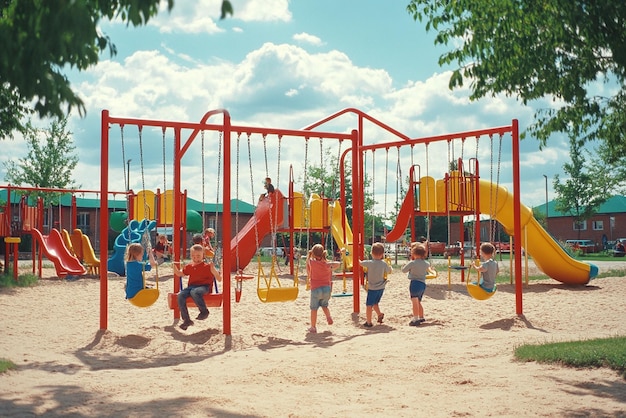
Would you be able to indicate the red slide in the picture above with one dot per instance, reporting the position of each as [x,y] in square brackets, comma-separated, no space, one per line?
[55,250]
[404,217]
[244,245]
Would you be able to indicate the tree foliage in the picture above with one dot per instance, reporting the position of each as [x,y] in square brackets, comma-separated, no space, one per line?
[555,49]
[583,192]
[49,163]
[41,39]
[324,180]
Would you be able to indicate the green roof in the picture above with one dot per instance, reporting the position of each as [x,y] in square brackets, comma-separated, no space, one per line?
[615,204]
[192,204]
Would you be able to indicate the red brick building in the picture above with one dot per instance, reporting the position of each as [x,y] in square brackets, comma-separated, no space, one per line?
[607,225]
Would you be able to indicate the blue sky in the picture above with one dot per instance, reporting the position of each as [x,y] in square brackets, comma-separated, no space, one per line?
[286,65]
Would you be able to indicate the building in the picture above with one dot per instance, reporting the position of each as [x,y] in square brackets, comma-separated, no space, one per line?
[606,226]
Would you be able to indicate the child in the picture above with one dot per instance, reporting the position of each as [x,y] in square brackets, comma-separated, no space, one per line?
[377,270]
[320,277]
[135,266]
[209,233]
[417,269]
[201,276]
[269,187]
[161,249]
[489,268]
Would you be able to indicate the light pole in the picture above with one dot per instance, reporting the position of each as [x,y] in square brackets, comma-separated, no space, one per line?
[546,178]
[128,174]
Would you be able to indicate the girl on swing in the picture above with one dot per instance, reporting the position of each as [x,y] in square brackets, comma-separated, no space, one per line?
[135,267]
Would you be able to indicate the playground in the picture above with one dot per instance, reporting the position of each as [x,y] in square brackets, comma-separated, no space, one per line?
[460,363]
[83,347]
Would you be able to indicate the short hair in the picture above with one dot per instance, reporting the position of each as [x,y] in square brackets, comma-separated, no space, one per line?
[196,238]
[378,248]
[210,230]
[197,248]
[419,250]
[487,248]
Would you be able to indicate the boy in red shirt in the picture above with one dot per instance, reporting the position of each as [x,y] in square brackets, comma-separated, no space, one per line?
[201,279]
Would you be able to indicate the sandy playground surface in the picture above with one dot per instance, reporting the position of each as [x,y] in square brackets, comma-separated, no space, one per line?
[459,363]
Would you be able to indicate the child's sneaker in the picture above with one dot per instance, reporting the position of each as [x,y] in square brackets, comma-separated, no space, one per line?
[415,323]
[186,324]
[368,325]
[202,315]
[312,330]
[380,318]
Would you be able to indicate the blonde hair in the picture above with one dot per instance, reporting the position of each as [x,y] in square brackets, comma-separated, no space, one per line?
[133,251]
[197,248]
[318,251]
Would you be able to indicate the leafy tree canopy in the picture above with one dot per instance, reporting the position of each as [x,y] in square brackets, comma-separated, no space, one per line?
[540,49]
[50,161]
[41,38]
[585,190]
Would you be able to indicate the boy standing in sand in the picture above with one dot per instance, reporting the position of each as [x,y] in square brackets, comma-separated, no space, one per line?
[201,277]
[320,273]
[377,271]
[489,268]
[417,270]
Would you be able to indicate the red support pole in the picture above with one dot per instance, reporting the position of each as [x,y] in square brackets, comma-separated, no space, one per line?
[517,219]
[104,221]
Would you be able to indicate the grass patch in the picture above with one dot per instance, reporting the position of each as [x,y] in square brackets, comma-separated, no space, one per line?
[23,280]
[601,352]
[6,365]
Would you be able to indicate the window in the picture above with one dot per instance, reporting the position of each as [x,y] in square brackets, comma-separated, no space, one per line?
[597,225]
[580,226]
[82,222]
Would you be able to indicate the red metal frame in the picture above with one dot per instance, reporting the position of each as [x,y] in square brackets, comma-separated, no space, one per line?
[357,149]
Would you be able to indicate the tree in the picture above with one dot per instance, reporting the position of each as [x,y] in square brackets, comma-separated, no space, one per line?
[42,38]
[49,162]
[325,181]
[581,194]
[551,49]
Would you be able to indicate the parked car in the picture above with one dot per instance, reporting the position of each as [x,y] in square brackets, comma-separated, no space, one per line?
[619,249]
[502,247]
[585,245]
[455,249]
[267,251]
[437,248]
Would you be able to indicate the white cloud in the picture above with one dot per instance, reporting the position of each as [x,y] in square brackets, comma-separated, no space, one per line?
[307,39]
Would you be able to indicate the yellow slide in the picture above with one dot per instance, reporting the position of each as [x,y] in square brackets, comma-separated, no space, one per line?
[337,222]
[547,254]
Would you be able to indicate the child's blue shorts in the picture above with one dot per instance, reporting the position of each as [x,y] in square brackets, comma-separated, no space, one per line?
[374,297]
[417,289]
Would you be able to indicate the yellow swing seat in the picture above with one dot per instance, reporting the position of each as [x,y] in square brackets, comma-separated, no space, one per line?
[145,298]
[278,294]
[478,292]
[431,276]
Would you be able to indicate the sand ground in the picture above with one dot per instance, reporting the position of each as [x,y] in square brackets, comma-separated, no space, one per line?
[458,363]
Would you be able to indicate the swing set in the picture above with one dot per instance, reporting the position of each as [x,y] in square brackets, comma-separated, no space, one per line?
[273,211]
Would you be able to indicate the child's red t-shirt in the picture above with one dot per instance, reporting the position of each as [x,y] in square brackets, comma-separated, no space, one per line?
[199,275]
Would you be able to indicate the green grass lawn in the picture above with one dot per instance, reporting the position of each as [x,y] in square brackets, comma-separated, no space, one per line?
[601,352]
